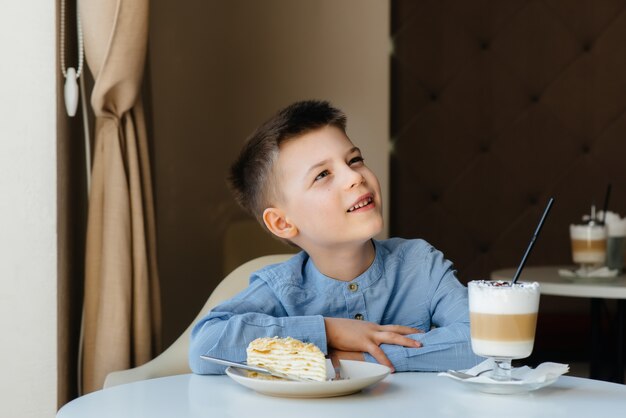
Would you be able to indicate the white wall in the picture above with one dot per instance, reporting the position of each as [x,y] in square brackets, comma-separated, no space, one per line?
[28,255]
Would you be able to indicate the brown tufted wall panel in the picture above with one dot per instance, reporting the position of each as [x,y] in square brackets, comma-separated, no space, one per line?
[497,105]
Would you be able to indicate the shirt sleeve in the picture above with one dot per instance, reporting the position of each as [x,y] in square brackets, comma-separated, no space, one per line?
[226,331]
[447,344]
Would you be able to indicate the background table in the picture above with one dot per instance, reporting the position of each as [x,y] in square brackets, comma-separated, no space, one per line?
[553,284]
[400,394]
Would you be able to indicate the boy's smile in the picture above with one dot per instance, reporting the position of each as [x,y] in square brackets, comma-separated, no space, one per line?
[363,203]
[327,192]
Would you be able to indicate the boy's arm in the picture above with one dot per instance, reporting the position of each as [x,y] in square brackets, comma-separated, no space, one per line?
[447,345]
[227,330]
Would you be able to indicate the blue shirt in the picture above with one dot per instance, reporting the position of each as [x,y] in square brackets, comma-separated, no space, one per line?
[409,283]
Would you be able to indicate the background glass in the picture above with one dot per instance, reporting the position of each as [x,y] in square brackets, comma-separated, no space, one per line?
[588,245]
[615,248]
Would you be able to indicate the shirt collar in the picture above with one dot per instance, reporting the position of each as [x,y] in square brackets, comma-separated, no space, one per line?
[364,280]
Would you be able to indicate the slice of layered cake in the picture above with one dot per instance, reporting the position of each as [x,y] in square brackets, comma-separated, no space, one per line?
[288,355]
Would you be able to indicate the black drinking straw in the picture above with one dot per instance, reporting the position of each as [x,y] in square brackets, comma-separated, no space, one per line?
[606,204]
[532,240]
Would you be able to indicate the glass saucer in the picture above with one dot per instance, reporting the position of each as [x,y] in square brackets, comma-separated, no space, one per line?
[503,388]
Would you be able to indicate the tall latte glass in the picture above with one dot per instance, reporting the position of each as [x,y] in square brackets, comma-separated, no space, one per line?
[503,318]
[588,245]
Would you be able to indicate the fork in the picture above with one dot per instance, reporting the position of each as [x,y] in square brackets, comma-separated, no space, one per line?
[337,368]
[257,369]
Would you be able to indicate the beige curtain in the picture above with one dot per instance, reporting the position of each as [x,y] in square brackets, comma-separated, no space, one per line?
[121,322]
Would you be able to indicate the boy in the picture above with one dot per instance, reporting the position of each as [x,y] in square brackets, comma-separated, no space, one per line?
[352,296]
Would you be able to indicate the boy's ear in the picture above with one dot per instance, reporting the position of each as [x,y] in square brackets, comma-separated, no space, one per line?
[276,221]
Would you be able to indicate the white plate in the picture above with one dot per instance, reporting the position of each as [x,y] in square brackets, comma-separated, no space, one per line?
[358,374]
[505,388]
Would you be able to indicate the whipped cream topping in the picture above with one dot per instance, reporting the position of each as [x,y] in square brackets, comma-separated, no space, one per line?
[497,284]
[585,232]
[502,297]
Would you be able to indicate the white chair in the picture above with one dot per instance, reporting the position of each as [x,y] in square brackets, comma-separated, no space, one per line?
[174,360]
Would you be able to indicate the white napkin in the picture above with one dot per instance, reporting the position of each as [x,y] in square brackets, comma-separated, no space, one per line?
[583,272]
[526,375]
[615,226]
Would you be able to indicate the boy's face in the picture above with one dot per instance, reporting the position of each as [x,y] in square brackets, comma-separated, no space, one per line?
[326,190]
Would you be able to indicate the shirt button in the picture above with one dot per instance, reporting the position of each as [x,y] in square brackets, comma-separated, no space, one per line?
[353,287]
[358,316]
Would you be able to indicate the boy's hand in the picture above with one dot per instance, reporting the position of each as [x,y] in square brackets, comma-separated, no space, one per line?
[360,336]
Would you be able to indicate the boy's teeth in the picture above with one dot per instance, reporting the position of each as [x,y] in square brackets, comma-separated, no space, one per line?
[361,204]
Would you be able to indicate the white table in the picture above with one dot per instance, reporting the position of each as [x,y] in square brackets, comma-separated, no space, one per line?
[551,283]
[399,395]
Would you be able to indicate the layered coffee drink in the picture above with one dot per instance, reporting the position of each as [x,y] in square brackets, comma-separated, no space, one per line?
[588,244]
[503,318]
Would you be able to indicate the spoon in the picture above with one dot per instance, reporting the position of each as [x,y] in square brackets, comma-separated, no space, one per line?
[462,375]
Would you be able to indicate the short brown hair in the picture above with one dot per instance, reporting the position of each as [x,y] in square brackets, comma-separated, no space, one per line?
[251,174]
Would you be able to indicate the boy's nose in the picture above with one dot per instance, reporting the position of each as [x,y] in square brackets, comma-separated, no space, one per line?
[354,178]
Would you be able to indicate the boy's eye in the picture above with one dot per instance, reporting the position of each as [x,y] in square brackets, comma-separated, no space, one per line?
[355,160]
[322,175]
